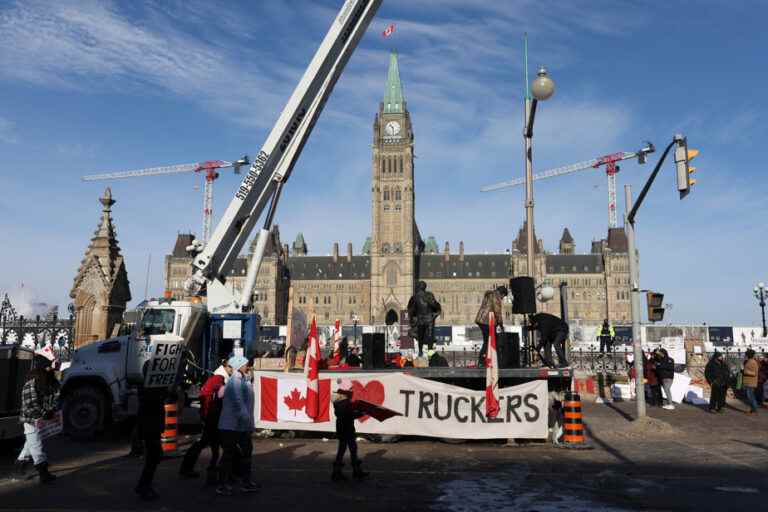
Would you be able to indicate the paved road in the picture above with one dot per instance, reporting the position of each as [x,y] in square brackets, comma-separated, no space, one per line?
[697,461]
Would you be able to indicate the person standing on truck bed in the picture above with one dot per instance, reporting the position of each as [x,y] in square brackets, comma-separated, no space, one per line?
[39,400]
[210,413]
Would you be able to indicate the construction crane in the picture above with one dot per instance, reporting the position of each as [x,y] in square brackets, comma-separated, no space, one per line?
[611,169]
[209,167]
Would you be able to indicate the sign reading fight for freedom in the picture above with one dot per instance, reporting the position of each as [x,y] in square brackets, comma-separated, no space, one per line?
[428,408]
[163,364]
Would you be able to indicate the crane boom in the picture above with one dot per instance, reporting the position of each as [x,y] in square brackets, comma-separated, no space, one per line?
[551,173]
[274,163]
[158,171]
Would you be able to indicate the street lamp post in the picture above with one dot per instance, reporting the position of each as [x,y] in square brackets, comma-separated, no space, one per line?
[542,89]
[354,328]
[761,294]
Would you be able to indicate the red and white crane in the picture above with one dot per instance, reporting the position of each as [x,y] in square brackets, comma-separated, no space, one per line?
[209,167]
[611,168]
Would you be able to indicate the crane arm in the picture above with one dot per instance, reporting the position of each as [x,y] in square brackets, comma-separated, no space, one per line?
[158,171]
[274,163]
[559,171]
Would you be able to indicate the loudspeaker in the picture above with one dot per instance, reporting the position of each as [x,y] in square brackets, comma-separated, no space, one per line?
[523,292]
[373,350]
[508,350]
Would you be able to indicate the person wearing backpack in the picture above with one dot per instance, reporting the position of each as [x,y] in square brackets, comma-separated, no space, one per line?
[210,413]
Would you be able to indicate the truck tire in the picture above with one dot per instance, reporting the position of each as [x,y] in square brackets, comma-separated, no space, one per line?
[84,413]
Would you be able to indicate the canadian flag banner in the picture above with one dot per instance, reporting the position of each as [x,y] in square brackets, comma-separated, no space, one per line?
[312,372]
[491,371]
[285,400]
[388,31]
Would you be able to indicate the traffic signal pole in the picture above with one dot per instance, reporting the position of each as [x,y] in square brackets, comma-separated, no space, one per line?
[634,273]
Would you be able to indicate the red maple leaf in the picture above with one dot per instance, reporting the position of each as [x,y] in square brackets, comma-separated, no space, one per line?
[294,401]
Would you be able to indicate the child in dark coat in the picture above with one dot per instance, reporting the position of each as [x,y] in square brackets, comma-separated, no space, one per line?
[346,414]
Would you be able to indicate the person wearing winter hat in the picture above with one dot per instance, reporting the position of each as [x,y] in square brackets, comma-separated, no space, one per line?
[346,415]
[236,427]
[39,400]
[210,414]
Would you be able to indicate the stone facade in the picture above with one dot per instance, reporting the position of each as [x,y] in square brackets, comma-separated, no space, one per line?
[375,285]
[101,288]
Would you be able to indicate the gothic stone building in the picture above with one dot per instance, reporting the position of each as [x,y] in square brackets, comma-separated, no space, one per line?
[375,285]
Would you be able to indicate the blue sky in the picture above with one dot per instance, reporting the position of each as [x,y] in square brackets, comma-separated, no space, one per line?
[92,86]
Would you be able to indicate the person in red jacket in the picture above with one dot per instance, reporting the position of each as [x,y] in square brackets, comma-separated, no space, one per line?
[210,411]
[649,373]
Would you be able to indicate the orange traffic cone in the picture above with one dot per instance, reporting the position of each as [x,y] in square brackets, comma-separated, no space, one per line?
[573,424]
[169,439]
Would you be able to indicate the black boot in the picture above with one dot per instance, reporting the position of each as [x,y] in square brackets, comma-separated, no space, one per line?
[21,468]
[357,470]
[337,475]
[45,476]
[212,476]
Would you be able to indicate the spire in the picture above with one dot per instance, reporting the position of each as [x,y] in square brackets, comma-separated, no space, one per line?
[566,236]
[393,95]
[299,245]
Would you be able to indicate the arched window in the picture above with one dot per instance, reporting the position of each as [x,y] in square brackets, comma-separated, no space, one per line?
[392,277]
[385,248]
[386,194]
[401,165]
[397,195]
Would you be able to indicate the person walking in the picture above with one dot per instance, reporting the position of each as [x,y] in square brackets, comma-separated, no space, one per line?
[344,410]
[492,303]
[749,380]
[552,331]
[717,374]
[210,414]
[762,379]
[606,335]
[423,309]
[665,370]
[150,426]
[236,426]
[39,401]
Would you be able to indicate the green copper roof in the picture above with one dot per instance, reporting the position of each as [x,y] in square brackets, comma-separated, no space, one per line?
[431,246]
[393,95]
[367,246]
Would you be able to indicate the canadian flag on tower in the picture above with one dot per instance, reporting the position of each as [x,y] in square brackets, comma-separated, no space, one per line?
[388,31]
[491,371]
[312,372]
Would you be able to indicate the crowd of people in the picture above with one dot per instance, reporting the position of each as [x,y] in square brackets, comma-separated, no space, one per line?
[658,373]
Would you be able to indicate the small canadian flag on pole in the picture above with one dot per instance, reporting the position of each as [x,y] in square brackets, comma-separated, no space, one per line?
[388,31]
[491,371]
[312,372]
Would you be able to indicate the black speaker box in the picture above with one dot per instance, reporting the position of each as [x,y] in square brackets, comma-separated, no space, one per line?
[373,350]
[508,350]
[523,292]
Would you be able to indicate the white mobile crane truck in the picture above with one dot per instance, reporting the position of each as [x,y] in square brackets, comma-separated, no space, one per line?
[102,381]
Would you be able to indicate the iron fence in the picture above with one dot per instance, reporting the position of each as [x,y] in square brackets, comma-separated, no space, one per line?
[37,333]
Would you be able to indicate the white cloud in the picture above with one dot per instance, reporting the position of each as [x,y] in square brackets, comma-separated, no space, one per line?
[8,131]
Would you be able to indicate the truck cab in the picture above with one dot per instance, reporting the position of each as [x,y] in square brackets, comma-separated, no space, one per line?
[101,384]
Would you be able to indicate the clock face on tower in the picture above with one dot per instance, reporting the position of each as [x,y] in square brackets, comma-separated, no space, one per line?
[392,129]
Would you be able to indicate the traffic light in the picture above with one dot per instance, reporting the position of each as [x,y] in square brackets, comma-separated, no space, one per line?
[655,306]
[683,157]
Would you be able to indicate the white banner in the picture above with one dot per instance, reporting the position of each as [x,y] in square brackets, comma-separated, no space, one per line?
[429,408]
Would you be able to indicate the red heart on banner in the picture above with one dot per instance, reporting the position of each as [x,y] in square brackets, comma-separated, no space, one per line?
[372,391]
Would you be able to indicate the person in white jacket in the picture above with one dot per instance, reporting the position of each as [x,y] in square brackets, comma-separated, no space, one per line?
[236,427]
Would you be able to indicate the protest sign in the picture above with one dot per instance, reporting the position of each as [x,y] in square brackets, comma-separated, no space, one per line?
[428,408]
[163,364]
